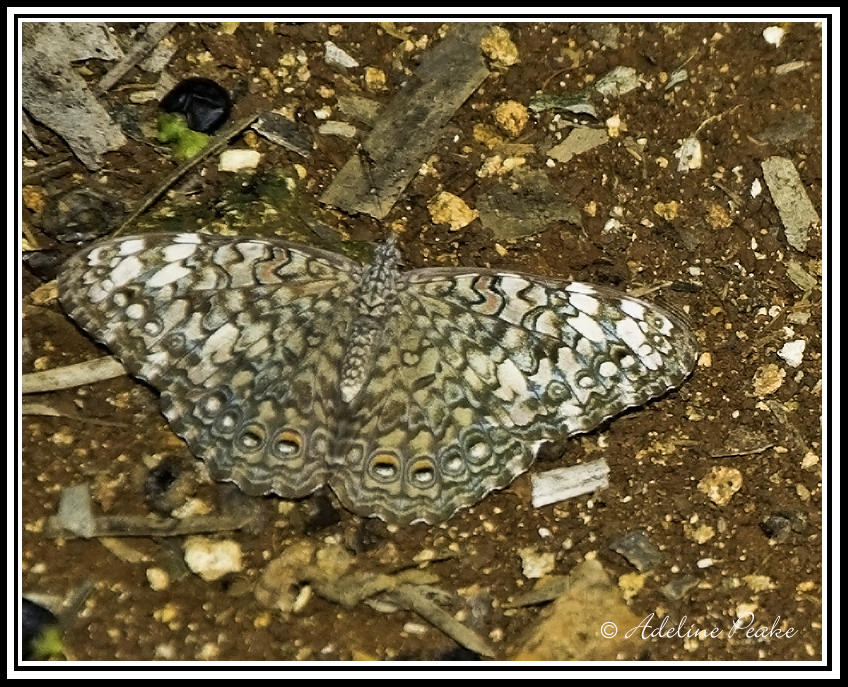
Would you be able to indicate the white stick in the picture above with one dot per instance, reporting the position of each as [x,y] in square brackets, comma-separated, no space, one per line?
[566,483]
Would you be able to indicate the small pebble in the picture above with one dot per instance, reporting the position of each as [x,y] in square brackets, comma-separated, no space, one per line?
[638,549]
[212,558]
[777,526]
[336,57]
[375,79]
[237,159]
[774,35]
[793,352]
[701,534]
[446,208]
[158,579]
[667,211]
[631,584]
[511,117]
[342,129]
[768,379]
[678,586]
[720,484]
[415,628]
[208,652]
[499,48]
[536,564]
[689,154]
[759,583]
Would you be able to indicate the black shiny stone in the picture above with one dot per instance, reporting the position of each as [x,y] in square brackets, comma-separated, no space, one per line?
[205,103]
[35,621]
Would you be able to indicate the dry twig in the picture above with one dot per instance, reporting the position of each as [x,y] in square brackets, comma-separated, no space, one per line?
[156,31]
[69,376]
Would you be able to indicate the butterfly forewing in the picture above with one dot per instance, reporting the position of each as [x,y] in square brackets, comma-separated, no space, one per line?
[573,354]
[241,336]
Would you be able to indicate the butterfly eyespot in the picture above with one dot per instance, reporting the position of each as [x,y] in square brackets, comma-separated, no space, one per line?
[479,452]
[385,467]
[319,445]
[557,392]
[252,437]
[353,454]
[423,473]
[228,421]
[585,381]
[288,443]
[211,405]
[452,463]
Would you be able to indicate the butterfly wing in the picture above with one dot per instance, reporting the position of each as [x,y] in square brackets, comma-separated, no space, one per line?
[241,336]
[482,368]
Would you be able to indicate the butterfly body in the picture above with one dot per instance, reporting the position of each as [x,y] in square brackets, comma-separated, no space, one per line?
[375,305]
[411,393]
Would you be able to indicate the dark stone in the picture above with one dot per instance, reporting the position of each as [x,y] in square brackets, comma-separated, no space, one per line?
[205,104]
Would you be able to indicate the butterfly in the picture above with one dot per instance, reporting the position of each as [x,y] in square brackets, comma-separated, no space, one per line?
[412,394]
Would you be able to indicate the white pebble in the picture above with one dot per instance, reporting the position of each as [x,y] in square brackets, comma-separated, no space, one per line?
[324,113]
[158,579]
[211,558]
[774,35]
[689,154]
[342,129]
[236,159]
[336,57]
[415,628]
[793,352]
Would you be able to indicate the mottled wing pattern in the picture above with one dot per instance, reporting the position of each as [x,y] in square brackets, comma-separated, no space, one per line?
[241,336]
[480,369]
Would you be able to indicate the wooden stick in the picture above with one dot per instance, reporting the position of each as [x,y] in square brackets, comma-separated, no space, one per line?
[408,596]
[72,375]
[156,31]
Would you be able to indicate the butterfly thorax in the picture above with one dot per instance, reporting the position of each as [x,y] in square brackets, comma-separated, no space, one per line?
[374,301]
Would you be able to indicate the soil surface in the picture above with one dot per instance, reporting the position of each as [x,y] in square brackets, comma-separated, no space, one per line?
[708,241]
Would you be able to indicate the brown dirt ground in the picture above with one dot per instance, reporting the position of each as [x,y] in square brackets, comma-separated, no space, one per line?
[724,253]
